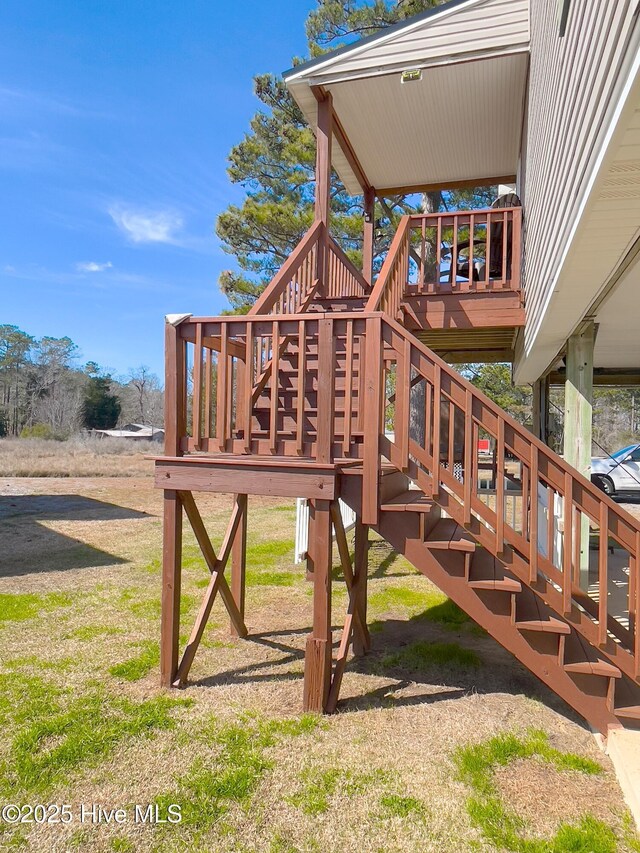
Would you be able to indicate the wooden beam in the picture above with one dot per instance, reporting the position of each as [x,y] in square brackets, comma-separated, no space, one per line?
[171,580]
[463,311]
[217,582]
[368,234]
[323,160]
[619,377]
[317,662]
[343,141]
[205,474]
[447,185]
[239,565]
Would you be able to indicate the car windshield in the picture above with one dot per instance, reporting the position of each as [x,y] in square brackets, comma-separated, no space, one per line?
[625,450]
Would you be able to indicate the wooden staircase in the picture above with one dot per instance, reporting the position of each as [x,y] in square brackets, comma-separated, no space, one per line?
[328,382]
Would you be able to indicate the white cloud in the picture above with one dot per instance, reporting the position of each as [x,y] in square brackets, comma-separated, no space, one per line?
[93,266]
[147,226]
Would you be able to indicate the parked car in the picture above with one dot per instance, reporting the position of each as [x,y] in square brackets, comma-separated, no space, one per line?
[619,472]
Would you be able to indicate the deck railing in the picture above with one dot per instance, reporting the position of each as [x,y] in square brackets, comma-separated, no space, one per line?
[269,386]
[541,515]
[538,514]
[463,252]
[316,267]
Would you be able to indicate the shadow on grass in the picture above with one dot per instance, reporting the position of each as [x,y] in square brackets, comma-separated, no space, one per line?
[33,547]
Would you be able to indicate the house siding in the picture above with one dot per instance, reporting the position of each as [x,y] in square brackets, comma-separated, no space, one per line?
[480,26]
[573,86]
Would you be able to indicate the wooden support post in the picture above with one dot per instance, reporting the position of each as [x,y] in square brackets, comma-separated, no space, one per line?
[324,137]
[239,564]
[368,235]
[361,642]
[540,409]
[171,578]
[317,663]
[578,421]
[175,428]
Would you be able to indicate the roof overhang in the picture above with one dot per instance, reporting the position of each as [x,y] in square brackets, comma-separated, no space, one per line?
[459,121]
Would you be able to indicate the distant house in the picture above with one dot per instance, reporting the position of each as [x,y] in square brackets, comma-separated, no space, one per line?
[134,432]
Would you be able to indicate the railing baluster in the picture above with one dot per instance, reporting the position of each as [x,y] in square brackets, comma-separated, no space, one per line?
[487,255]
[471,249]
[438,250]
[207,392]
[273,414]
[437,415]
[373,394]
[301,381]
[603,574]
[422,278]
[453,272]
[533,523]
[451,437]
[348,389]
[468,454]
[505,226]
[500,487]
[221,415]
[326,390]
[249,381]
[197,389]
[567,550]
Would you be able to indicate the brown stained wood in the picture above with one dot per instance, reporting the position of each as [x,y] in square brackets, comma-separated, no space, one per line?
[257,479]
[275,360]
[372,405]
[324,136]
[349,574]
[217,582]
[221,413]
[239,564]
[197,387]
[208,387]
[500,449]
[451,185]
[317,670]
[533,524]
[175,415]
[348,403]
[368,235]
[567,551]
[603,574]
[326,407]
[469,455]
[171,582]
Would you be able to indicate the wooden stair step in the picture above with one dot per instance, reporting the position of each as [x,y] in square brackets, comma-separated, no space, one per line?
[448,535]
[409,501]
[502,585]
[550,625]
[594,667]
[631,712]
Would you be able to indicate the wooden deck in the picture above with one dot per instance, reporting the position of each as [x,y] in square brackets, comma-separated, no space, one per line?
[296,399]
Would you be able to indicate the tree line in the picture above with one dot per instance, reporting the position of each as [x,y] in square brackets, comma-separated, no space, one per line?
[46,392]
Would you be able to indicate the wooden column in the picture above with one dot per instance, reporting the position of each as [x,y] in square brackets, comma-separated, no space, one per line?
[239,564]
[323,157]
[361,569]
[175,428]
[317,662]
[324,135]
[578,417]
[540,409]
[369,229]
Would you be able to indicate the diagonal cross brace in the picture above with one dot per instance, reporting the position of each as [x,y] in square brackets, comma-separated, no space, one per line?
[355,621]
[217,582]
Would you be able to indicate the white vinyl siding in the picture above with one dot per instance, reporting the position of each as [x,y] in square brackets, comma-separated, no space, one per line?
[573,88]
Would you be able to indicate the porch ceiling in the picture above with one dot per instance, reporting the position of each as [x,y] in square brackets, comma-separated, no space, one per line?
[461,121]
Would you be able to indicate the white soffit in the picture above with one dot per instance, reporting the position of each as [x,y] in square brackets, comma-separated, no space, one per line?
[467,107]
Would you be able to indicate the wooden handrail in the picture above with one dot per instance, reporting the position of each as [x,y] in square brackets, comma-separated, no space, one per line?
[389,287]
[283,278]
[445,463]
[317,266]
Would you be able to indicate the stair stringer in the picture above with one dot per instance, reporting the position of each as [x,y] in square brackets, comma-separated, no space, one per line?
[446,570]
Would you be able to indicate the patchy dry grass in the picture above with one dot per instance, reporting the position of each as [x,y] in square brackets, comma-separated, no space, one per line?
[76,457]
[82,719]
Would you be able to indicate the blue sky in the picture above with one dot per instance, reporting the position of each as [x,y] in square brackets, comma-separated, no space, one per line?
[116,119]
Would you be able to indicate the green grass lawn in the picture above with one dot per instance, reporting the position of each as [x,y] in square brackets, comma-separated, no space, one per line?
[436,728]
